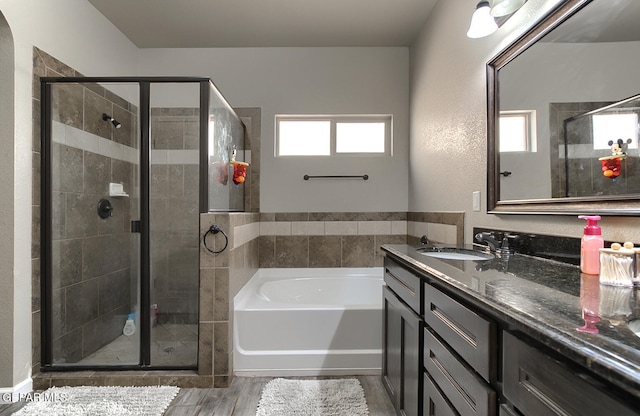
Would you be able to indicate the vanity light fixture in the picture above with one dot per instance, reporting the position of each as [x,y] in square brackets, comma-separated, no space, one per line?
[482,23]
[505,7]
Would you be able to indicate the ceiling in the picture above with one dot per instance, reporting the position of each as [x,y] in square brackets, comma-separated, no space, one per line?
[266,23]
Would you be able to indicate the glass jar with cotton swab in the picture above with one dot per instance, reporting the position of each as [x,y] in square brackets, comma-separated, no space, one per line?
[618,265]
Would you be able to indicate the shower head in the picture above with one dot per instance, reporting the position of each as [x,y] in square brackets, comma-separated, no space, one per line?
[113,121]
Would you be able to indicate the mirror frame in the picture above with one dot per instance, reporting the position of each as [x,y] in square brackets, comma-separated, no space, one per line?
[604,205]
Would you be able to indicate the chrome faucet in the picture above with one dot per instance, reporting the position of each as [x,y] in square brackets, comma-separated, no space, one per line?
[488,238]
[425,241]
[499,247]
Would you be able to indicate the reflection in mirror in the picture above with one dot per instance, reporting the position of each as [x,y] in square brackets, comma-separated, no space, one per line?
[600,152]
[557,96]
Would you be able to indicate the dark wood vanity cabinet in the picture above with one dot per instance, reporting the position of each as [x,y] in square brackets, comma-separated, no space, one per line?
[474,359]
[402,332]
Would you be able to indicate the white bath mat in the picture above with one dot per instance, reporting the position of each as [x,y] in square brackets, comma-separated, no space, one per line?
[100,401]
[336,397]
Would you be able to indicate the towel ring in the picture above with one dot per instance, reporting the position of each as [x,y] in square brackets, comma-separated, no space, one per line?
[214,229]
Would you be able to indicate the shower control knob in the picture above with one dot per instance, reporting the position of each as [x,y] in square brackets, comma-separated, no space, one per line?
[105,209]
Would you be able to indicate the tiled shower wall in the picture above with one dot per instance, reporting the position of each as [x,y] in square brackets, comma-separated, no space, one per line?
[174,212]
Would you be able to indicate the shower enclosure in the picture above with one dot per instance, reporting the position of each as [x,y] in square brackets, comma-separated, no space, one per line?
[128,165]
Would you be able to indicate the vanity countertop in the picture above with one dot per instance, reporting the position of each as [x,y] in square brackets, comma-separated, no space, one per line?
[545,299]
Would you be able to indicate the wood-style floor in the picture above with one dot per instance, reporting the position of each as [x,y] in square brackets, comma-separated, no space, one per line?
[242,397]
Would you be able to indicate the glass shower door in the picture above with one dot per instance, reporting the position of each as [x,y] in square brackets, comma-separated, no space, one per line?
[174,223]
[94,154]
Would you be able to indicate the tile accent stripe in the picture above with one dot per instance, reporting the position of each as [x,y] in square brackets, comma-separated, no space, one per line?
[79,139]
[303,228]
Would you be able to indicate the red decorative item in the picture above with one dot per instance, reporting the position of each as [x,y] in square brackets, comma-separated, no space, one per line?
[239,172]
[612,165]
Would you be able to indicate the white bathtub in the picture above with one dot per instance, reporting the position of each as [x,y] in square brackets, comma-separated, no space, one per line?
[309,322]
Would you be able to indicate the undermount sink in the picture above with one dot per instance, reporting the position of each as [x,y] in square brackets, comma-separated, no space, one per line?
[455,253]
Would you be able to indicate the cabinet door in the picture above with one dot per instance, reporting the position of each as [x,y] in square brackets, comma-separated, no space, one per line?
[434,403]
[392,347]
[401,355]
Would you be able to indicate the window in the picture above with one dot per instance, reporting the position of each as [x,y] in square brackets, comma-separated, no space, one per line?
[333,135]
[304,138]
[517,131]
[608,127]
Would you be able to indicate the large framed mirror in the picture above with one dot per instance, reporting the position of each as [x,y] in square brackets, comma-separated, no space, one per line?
[564,113]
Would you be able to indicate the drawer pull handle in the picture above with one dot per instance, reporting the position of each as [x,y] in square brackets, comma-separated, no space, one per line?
[452,381]
[469,338]
[527,383]
[403,284]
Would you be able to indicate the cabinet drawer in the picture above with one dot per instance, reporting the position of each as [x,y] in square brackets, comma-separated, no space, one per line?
[467,333]
[433,403]
[465,390]
[405,284]
[537,384]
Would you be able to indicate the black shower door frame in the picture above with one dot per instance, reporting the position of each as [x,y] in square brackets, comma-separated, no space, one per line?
[143,226]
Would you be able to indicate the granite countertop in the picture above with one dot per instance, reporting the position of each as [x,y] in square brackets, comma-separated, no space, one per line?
[547,300]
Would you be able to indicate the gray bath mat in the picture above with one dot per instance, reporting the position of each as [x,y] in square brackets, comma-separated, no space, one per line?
[100,401]
[336,397]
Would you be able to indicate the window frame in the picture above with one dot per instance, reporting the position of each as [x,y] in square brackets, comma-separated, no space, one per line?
[335,119]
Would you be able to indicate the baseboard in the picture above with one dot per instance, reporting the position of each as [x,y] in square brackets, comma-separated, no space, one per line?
[16,393]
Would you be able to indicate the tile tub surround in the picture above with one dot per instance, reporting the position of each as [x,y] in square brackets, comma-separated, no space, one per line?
[328,239]
[311,239]
[348,239]
[439,227]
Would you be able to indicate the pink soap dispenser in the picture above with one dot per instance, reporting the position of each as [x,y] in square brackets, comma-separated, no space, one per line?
[590,245]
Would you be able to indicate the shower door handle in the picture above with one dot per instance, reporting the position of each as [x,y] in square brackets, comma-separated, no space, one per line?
[135,226]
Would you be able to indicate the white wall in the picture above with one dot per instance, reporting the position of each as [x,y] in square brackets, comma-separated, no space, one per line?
[310,81]
[74,32]
[448,123]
